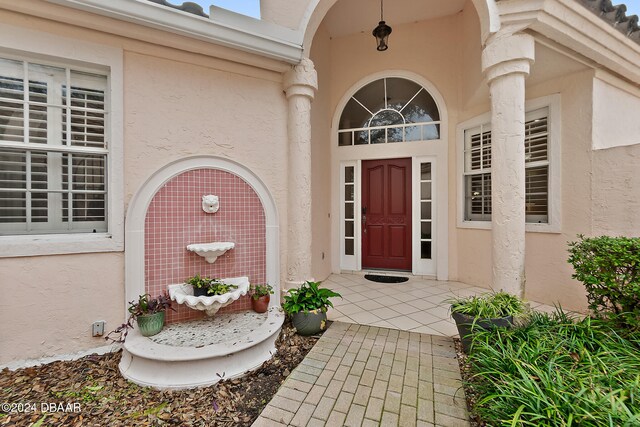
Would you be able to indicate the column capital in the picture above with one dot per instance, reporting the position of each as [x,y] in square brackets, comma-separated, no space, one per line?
[508,53]
[301,79]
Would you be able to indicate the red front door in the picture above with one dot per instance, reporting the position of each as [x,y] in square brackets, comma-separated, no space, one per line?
[386,214]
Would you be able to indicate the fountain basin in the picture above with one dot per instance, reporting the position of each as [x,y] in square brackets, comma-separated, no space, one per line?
[183,294]
[210,251]
[202,352]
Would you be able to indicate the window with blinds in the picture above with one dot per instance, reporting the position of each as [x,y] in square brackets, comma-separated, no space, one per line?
[477,169]
[53,149]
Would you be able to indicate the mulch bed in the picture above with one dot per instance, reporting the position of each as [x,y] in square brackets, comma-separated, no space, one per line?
[94,385]
[469,393]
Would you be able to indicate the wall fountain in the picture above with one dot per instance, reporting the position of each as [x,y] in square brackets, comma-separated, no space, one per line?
[201,352]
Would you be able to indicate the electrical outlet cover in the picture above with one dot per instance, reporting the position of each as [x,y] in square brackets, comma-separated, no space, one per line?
[97,329]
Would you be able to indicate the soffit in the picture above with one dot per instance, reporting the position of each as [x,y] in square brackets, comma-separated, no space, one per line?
[357,16]
[550,64]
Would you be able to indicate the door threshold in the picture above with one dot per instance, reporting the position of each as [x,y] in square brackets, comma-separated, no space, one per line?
[402,273]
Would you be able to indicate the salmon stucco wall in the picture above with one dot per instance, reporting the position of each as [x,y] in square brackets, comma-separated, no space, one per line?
[177,104]
[175,219]
[466,95]
[181,109]
[321,159]
[548,275]
[54,300]
[616,191]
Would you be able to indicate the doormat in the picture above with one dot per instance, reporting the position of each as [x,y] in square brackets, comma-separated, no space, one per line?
[385,279]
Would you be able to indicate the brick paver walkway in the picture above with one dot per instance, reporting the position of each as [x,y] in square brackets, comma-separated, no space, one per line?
[360,375]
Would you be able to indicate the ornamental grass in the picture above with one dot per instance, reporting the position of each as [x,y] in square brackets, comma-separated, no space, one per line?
[557,371]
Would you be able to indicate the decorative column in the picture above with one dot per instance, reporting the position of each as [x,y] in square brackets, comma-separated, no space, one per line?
[300,84]
[506,60]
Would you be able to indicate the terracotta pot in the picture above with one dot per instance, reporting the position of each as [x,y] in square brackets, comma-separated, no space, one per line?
[309,323]
[150,324]
[260,305]
[467,325]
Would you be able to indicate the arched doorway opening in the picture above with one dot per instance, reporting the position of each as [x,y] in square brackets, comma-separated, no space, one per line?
[390,152]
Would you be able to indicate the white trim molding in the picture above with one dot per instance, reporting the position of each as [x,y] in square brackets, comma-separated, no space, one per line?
[136,214]
[224,27]
[33,44]
[552,102]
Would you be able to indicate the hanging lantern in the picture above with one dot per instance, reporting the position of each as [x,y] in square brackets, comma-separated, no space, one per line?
[382,31]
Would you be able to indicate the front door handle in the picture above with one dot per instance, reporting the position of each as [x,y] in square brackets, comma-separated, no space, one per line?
[364,218]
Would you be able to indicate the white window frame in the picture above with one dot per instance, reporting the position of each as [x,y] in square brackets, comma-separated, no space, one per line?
[55,147]
[402,126]
[35,46]
[552,103]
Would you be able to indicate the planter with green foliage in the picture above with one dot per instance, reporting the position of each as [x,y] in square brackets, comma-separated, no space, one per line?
[207,287]
[307,306]
[483,312]
[148,312]
[260,297]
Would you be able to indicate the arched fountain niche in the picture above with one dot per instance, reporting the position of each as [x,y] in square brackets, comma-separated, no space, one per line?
[174,210]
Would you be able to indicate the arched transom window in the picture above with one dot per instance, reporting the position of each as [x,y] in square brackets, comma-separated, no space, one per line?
[389,110]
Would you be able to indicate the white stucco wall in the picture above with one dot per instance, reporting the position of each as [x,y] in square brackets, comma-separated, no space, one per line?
[284,12]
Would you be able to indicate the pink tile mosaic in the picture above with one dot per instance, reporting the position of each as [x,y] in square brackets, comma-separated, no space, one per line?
[175,219]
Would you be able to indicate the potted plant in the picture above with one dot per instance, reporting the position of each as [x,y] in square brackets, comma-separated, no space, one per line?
[307,306]
[204,286]
[260,297]
[200,285]
[218,287]
[483,312]
[148,312]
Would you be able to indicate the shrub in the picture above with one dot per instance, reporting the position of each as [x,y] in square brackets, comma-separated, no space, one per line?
[609,268]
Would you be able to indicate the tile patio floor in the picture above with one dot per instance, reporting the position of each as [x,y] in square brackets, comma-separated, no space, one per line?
[417,305]
[388,359]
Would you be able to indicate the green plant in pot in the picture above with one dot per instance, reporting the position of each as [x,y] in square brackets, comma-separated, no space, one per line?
[483,312]
[218,287]
[260,297]
[200,285]
[204,286]
[307,306]
[148,312]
